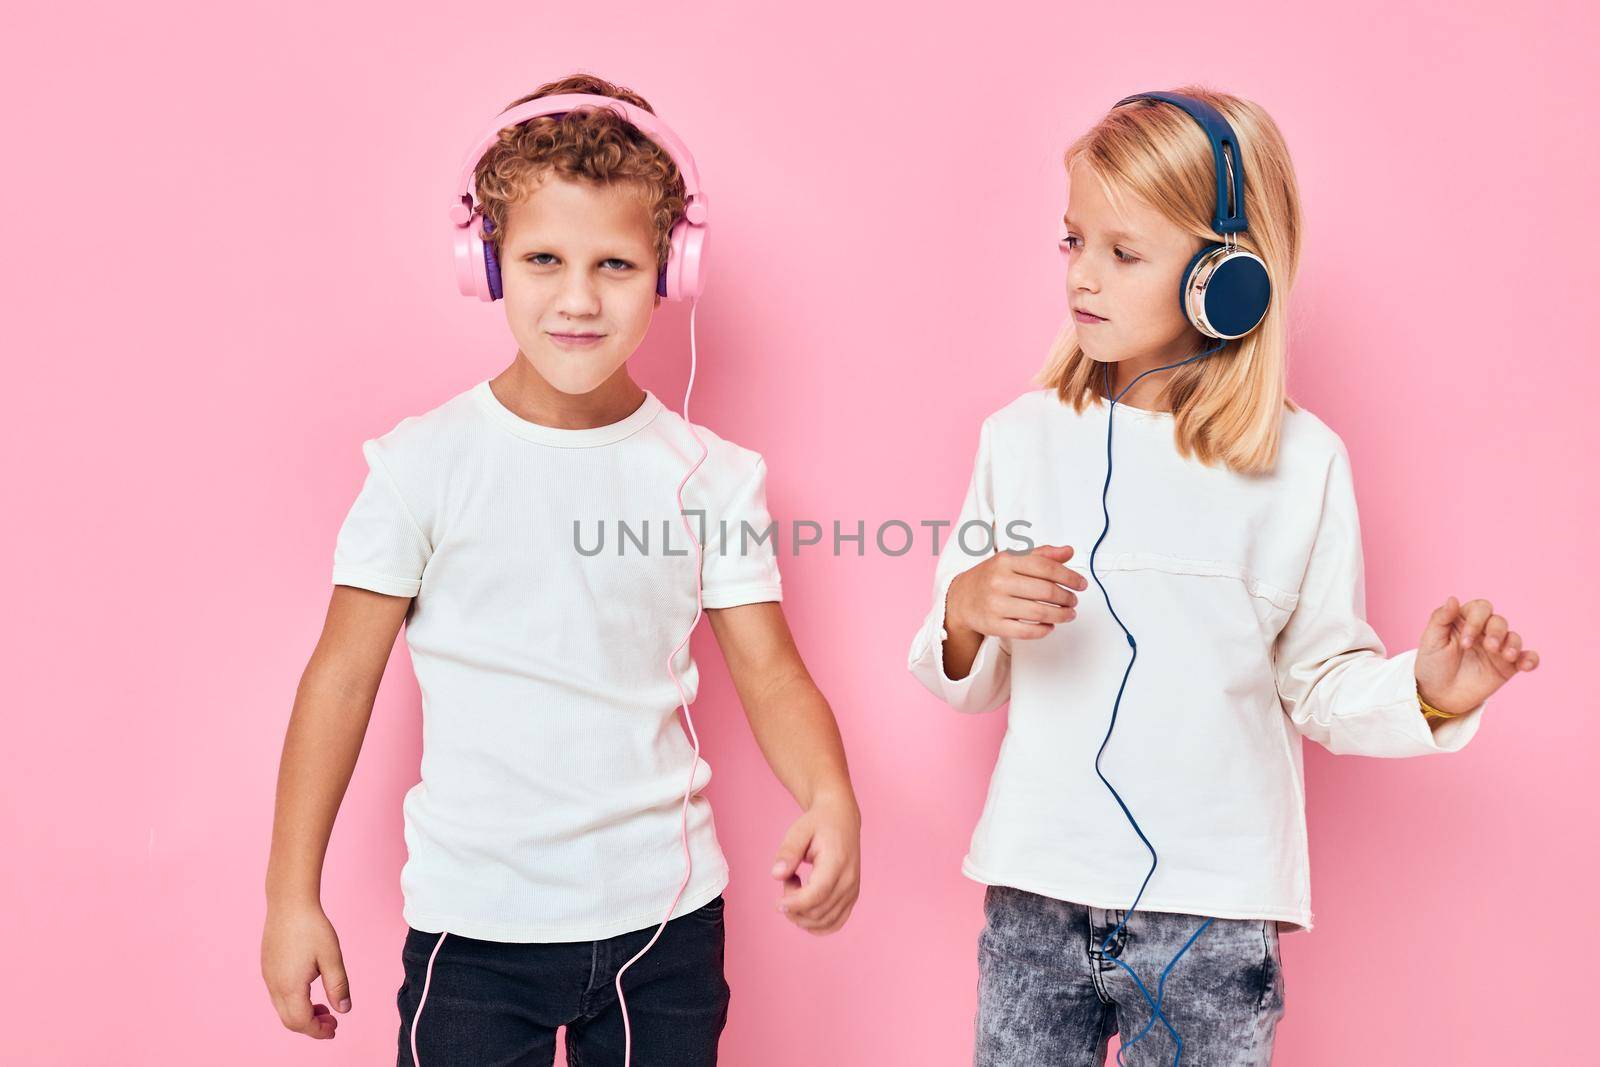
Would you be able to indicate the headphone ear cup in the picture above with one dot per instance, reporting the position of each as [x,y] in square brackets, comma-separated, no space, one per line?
[684,278]
[1225,291]
[477,272]
[491,265]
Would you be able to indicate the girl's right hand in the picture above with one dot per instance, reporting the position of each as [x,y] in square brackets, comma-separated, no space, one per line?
[298,944]
[1015,594]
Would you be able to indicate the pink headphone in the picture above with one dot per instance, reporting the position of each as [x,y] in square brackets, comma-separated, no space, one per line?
[478,272]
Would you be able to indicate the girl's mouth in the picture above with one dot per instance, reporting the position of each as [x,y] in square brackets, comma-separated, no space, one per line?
[576,340]
[1085,317]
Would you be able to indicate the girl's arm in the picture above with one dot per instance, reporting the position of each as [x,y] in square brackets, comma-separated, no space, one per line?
[332,707]
[1334,681]
[969,671]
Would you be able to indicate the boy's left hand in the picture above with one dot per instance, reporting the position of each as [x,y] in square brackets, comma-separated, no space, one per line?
[828,836]
[1466,653]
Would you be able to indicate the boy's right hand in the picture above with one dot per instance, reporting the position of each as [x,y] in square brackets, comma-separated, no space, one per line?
[1015,594]
[298,944]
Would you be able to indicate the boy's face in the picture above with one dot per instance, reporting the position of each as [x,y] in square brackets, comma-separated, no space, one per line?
[1125,266]
[578,275]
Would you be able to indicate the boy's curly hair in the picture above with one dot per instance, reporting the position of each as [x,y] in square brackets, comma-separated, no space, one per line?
[592,145]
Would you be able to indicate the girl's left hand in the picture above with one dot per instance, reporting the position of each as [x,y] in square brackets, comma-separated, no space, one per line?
[1466,653]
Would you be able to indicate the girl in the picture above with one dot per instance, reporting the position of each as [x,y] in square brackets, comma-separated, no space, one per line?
[1144,837]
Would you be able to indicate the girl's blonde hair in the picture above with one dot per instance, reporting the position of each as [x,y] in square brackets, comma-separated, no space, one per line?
[1228,406]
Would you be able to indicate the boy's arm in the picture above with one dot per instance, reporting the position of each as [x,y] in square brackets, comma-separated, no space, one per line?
[332,707]
[800,739]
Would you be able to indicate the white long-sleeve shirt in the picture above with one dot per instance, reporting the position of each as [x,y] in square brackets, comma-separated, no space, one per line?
[1245,595]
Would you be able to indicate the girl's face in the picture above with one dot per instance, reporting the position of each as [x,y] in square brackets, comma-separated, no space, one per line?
[1123,270]
[578,273]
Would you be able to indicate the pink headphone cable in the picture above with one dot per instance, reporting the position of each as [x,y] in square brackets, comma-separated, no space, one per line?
[683,701]
[426,981]
[694,764]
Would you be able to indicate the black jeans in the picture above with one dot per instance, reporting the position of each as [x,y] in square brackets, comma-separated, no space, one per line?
[497,1004]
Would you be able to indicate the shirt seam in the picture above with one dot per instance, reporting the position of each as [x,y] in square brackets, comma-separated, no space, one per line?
[722,876]
[348,572]
[382,467]
[498,417]
[1263,911]
[1254,585]
[746,589]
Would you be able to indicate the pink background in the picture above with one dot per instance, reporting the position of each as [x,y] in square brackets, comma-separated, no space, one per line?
[228,264]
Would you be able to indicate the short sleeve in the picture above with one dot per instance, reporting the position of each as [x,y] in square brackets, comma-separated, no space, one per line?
[739,560]
[987,684]
[1333,679]
[380,546]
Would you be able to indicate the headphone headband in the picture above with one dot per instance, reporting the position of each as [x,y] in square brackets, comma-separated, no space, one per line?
[1229,216]
[648,124]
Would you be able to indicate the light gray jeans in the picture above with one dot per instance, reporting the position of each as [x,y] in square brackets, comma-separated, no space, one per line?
[1048,995]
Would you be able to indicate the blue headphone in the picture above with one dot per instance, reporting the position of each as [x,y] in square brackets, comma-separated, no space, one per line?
[1225,290]
[1224,294]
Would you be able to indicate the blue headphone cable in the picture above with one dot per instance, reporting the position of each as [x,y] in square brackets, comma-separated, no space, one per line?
[1105,946]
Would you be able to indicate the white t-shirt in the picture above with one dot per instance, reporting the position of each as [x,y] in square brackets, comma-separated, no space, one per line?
[553,760]
[1245,595]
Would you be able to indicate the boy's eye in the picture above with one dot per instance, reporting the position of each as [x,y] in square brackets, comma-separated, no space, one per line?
[547,259]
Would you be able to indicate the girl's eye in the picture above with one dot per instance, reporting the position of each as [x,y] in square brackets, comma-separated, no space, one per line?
[617,264]
[1072,241]
[541,259]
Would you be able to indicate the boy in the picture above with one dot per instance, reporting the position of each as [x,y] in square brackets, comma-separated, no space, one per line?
[545,840]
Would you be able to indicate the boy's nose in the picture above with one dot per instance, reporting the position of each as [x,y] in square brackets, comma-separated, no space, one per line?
[579,297]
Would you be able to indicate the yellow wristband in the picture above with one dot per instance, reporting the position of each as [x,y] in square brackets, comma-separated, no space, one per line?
[1431,712]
